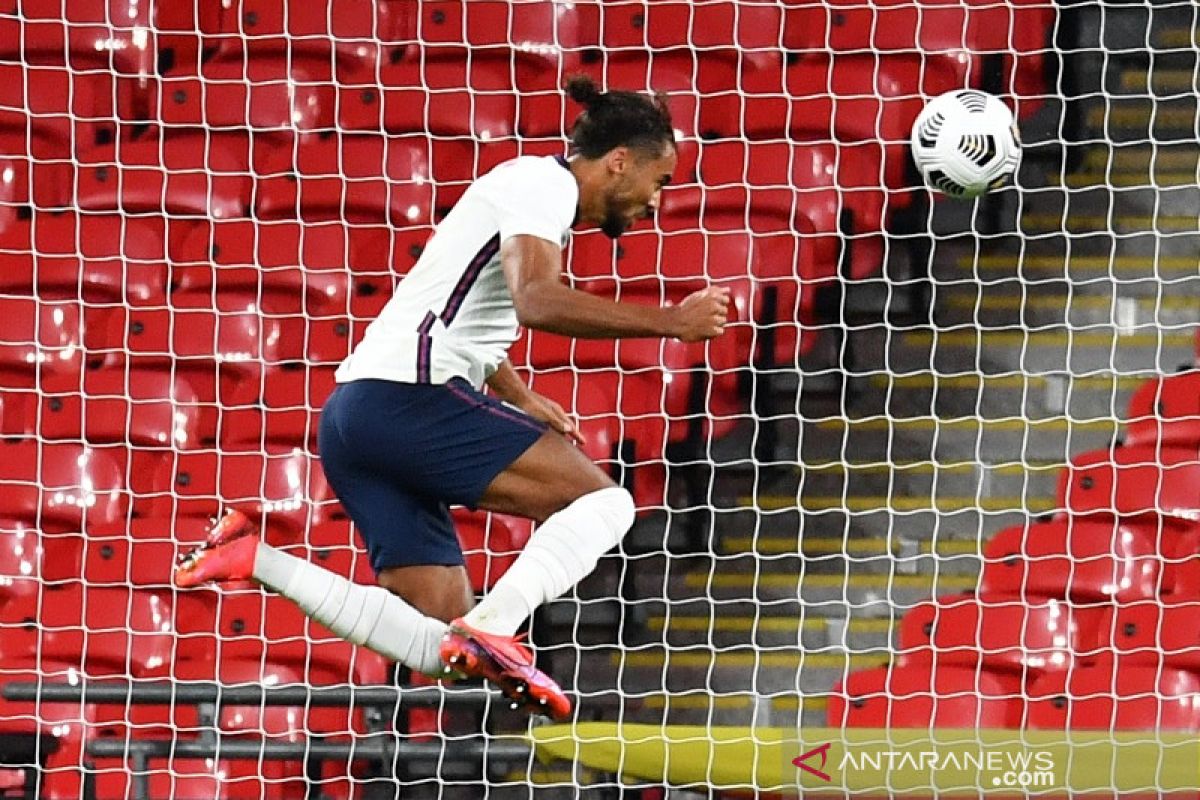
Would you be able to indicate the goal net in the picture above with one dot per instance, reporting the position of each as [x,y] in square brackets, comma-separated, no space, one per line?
[940,471]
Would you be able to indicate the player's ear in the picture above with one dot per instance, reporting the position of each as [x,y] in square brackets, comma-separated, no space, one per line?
[618,160]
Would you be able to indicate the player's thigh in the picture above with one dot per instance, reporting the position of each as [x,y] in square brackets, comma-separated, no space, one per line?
[547,477]
[436,590]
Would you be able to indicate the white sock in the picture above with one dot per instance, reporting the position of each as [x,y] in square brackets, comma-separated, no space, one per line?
[561,553]
[370,616]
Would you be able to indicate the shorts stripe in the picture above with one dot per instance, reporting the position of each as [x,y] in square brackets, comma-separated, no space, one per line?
[499,412]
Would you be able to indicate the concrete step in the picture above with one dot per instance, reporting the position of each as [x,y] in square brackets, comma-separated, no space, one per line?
[915,484]
[1010,303]
[1082,267]
[810,633]
[1160,81]
[1166,157]
[1003,440]
[734,708]
[1177,38]
[853,587]
[1133,118]
[1042,222]
[1049,350]
[704,670]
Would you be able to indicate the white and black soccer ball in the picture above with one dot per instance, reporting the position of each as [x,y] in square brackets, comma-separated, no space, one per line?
[966,143]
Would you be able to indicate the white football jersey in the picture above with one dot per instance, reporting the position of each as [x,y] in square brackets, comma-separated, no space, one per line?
[453,315]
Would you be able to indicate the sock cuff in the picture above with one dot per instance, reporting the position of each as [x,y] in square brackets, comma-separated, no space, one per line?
[612,506]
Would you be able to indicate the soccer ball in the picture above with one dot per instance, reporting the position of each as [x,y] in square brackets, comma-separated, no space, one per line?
[965,143]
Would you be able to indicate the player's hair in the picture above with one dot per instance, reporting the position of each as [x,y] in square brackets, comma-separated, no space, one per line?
[618,119]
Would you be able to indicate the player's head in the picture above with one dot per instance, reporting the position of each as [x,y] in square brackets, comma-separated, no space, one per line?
[630,142]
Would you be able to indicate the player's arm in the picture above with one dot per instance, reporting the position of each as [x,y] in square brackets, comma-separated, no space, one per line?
[506,384]
[532,266]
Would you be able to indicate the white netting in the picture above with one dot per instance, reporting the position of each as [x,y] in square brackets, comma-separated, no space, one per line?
[202,206]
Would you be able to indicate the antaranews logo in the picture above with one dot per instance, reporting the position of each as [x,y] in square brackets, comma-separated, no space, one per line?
[801,761]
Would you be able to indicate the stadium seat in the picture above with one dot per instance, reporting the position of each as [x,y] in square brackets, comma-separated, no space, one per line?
[350,31]
[535,38]
[1166,411]
[249,636]
[723,29]
[351,177]
[474,98]
[41,337]
[1076,559]
[21,559]
[866,107]
[999,48]
[138,552]
[79,632]
[283,410]
[998,633]
[840,198]
[927,696]
[138,408]
[1134,482]
[62,486]
[1161,632]
[216,351]
[1116,694]
[278,487]
[97,258]
[1181,565]
[270,95]
[46,111]
[28,184]
[490,544]
[186,173]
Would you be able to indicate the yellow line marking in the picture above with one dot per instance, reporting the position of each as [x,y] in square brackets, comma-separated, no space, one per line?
[879,581]
[1102,264]
[860,504]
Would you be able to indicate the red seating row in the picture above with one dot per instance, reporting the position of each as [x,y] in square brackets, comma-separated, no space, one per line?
[1081,621]
[1114,694]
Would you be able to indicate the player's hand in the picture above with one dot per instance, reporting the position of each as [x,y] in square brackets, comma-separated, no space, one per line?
[702,315]
[552,414]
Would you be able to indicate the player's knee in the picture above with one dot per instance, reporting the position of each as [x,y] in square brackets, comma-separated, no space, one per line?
[612,507]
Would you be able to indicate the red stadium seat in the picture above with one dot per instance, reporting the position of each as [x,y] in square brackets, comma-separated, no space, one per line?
[1181,567]
[474,98]
[925,696]
[27,185]
[268,94]
[41,337]
[1116,694]
[278,487]
[490,544]
[98,258]
[963,35]
[317,269]
[998,633]
[46,111]
[109,35]
[1075,559]
[62,486]
[138,408]
[356,178]
[1145,482]
[349,32]
[722,29]
[839,197]
[21,559]
[249,636]
[1160,632]
[216,351]
[186,173]
[283,410]
[1165,410]
[863,105]
[139,552]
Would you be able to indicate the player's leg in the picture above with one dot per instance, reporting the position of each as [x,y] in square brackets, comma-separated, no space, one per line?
[583,515]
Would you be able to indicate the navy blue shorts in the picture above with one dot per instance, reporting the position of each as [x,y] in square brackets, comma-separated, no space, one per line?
[398,454]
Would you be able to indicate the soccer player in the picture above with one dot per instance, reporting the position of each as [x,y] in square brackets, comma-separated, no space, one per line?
[408,430]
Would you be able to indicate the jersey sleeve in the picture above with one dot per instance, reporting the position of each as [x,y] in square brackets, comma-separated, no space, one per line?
[540,201]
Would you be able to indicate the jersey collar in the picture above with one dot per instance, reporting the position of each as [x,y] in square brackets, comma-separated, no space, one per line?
[562,162]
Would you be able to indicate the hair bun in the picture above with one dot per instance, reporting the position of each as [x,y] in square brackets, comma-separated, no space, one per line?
[583,90]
